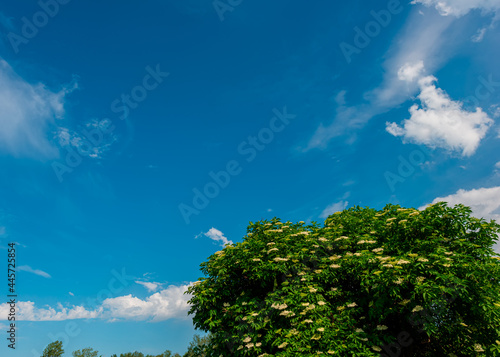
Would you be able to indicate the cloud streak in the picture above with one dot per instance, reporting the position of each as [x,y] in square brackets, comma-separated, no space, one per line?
[334,207]
[152,287]
[34,271]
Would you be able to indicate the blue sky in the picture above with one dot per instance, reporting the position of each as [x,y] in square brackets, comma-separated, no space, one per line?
[137,138]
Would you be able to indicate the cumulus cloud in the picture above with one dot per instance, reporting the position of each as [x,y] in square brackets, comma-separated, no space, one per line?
[442,122]
[163,305]
[34,271]
[334,207]
[148,285]
[484,203]
[28,112]
[216,235]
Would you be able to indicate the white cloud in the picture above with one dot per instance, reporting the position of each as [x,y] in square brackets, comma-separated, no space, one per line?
[166,304]
[34,271]
[148,285]
[411,71]
[26,311]
[497,165]
[334,207]
[163,305]
[442,122]
[71,294]
[28,112]
[478,37]
[216,235]
[459,8]
[417,43]
[484,203]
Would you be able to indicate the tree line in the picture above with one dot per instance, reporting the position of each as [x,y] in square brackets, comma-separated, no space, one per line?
[195,349]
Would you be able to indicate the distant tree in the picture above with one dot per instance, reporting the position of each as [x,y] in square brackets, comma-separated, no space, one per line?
[197,347]
[86,352]
[168,353]
[397,281]
[53,349]
[132,354]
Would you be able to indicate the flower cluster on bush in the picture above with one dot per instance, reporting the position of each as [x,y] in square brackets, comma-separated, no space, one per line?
[352,285]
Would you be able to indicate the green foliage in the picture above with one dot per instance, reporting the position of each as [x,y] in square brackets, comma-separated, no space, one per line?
[132,354]
[86,352]
[169,354]
[197,347]
[53,349]
[356,285]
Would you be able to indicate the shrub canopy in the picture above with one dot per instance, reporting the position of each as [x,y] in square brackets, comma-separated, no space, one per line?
[396,282]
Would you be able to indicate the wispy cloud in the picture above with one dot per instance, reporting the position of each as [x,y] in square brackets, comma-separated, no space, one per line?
[28,114]
[334,207]
[216,235]
[82,141]
[149,285]
[440,121]
[34,271]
